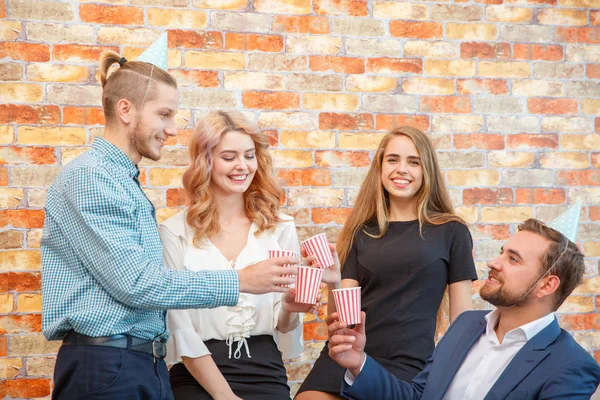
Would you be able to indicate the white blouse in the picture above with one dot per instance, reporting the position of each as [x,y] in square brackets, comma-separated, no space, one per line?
[253,315]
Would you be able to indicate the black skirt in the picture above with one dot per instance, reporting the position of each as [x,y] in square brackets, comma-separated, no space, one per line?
[262,377]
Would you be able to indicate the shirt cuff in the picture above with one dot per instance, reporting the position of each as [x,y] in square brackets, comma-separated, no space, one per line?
[349,378]
[227,285]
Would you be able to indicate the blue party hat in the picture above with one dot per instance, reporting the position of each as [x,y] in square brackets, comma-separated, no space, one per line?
[157,53]
[568,222]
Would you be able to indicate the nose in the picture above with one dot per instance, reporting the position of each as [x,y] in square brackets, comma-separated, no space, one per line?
[241,165]
[402,167]
[495,264]
[171,128]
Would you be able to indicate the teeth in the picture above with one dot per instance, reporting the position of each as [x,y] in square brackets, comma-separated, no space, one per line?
[160,140]
[401,181]
[238,177]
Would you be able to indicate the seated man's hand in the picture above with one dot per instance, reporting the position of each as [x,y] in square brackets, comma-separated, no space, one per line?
[346,346]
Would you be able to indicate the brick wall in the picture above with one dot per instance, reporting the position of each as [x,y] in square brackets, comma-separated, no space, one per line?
[508,89]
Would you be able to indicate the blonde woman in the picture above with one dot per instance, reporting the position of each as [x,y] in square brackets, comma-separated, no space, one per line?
[403,245]
[232,220]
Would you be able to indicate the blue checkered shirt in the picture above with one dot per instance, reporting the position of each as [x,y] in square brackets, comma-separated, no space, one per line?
[102,270]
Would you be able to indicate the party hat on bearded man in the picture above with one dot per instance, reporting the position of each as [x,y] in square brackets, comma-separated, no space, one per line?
[157,54]
[567,222]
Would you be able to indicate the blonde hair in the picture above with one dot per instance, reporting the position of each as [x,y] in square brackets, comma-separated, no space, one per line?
[262,198]
[433,201]
[132,81]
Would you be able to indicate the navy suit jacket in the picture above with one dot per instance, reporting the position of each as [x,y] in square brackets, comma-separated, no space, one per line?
[551,365]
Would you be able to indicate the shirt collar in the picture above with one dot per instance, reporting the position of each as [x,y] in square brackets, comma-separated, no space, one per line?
[529,330]
[115,155]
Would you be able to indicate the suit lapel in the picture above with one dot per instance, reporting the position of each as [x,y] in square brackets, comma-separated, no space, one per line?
[534,351]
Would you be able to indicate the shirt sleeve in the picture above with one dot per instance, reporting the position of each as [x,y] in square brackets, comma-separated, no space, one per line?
[103,230]
[186,339]
[350,269]
[291,344]
[461,266]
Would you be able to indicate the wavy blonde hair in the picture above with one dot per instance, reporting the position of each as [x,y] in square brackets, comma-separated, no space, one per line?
[433,201]
[129,82]
[263,196]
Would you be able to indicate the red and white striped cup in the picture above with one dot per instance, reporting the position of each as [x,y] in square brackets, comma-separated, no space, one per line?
[308,281]
[284,253]
[318,246]
[347,304]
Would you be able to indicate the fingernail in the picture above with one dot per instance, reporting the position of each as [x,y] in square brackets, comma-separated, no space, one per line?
[352,338]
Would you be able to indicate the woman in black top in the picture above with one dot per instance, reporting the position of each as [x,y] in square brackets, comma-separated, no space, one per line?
[403,245]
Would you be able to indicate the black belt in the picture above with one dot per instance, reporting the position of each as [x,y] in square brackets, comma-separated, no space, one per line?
[154,347]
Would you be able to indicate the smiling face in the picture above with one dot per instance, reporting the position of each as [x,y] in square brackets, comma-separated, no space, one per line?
[515,270]
[401,169]
[234,163]
[155,123]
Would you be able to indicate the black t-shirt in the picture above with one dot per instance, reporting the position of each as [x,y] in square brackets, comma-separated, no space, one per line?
[402,277]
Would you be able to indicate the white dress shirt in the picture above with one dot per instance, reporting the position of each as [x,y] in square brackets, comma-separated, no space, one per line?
[488,358]
[253,315]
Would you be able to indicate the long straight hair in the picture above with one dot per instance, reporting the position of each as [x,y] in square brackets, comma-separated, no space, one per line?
[262,198]
[373,201]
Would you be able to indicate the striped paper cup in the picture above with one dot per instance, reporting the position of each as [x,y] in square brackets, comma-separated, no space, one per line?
[347,304]
[308,282]
[284,253]
[318,246]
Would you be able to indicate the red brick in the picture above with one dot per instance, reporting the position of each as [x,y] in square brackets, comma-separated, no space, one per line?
[3,346]
[176,197]
[351,122]
[354,8]
[538,52]
[595,17]
[250,42]
[540,196]
[593,71]
[83,116]
[597,125]
[304,177]
[272,136]
[25,51]
[25,388]
[111,15]
[596,156]
[315,331]
[21,323]
[330,215]
[344,65]
[481,86]
[328,158]
[387,122]
[577,35]
[536,141]
[20,281]
[3,182]
[271,100]
[487,196]
[549,2]
[301,24]
[78,52]
[33,155]
[2,9]
[597,356]
[591,321]
[485,141]
[22,218]
[195,40]
[416,30]
[594,214]
[541,105]
[494,232]
[395,65]
[485,50]
[25,114]
[572,322]
[445,104]
[489,1]
[199,78]
[588,177]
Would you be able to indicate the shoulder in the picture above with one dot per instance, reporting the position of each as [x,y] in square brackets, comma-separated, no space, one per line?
[175,226]
[286,221]
[570,350]
[471,316]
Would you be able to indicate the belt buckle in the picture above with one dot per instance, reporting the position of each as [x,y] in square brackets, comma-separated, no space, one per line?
[159,350]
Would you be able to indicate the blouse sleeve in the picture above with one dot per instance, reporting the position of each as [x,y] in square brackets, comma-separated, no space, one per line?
[185,338]
[350,270]
[291,344]
[461,266]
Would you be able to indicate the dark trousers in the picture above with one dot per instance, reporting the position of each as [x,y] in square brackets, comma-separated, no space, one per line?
[98,372]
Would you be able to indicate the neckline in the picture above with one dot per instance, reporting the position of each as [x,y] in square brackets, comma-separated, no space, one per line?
[412,221]
[234,261]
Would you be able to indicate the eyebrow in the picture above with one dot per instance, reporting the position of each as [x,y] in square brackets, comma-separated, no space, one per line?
[397,155]
[235,152]
[513,252]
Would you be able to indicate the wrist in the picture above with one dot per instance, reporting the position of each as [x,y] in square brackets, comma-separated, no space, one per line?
[356,371]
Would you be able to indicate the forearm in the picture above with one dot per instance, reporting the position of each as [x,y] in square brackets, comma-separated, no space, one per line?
[287,321]
[206,372]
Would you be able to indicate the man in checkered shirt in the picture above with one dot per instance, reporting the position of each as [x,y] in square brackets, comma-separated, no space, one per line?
[105,290]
